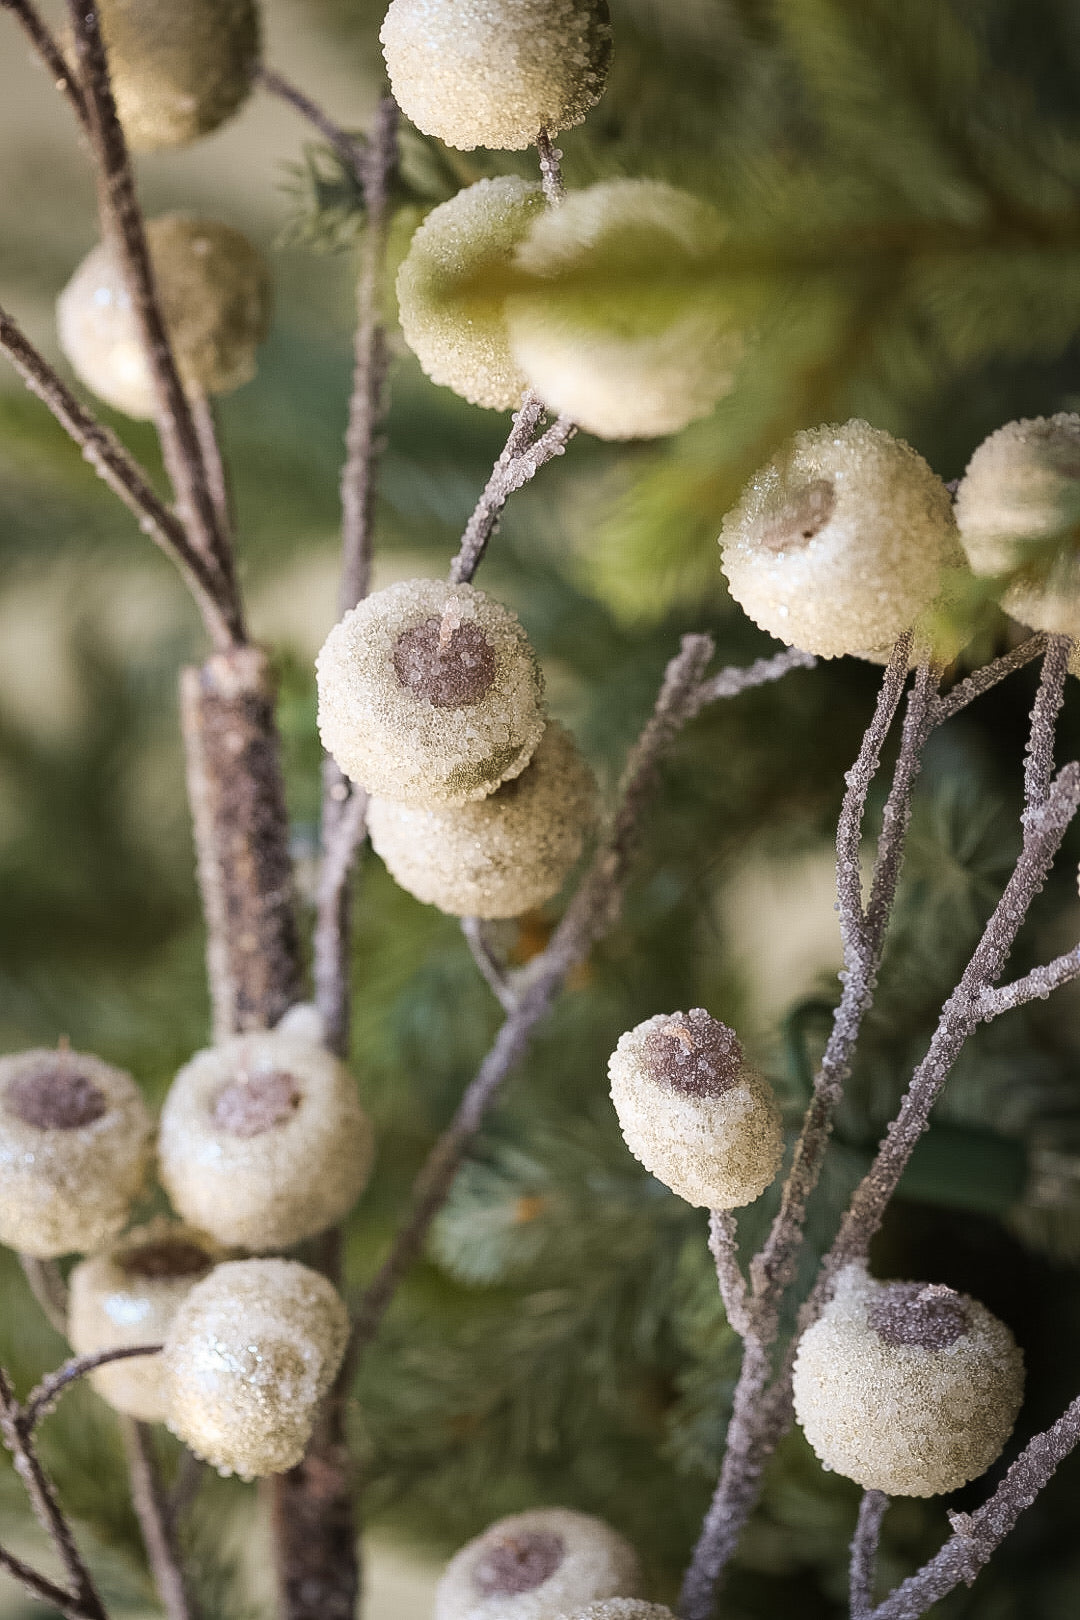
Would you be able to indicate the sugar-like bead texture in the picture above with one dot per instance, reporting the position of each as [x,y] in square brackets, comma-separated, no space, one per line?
[75,1144]
[250,1354]
[179,71]
[263,1141]
[498,856]
[533,1566]
[128,1295]
[495,72]
[430,694]
[907,1388]
[215,296]
[841,543]
[694,1112]
[457,330]
[1018,508]
[620,1609]
[624,365]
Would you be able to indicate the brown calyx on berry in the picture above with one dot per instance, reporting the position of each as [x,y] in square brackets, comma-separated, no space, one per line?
[254,1103]
[693,1054]
[802,517]
[518,1563]
[446,661]
[928,1315]
[55,1095]
[164,1259]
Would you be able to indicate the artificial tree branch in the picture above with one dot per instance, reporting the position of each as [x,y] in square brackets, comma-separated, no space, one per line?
[864,1550]
[117,468]
[351,149]
[976,1536]
[122,225]
[156,1522]
[41,1399]
[43,41]
[527,449]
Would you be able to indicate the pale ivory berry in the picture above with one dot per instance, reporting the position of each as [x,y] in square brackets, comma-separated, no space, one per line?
[620,1609]
[498,856]
[496,72]
[1018,508]
[840,544]
[75,1143]
[456,329]
[907,1388]
[128,1295]
[179,71]
[533,1566]
[693,1111]
[430,694]
[250,1354]
[215,296]
[263,1141]
[631,365]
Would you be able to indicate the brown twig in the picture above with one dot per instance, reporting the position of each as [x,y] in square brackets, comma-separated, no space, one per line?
[117,468]
[864,1550]
[351,149]
[41,1399]
[122,225]
[976,1536]
[525,452]
[40,1587]
[44,43]
[156,1522]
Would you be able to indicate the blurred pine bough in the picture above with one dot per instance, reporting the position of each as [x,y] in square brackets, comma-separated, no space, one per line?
[905,178]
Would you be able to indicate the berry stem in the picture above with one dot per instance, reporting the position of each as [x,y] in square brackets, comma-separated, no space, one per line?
[550,169]
[527,449]
[155,1521]
[864,1549]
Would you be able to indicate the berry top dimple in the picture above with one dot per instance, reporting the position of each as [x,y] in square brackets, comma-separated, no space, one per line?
[55,1096]
[802,517]
[694,1055]
[449,663]
[518,1563]
[931,1316]
[254,1103]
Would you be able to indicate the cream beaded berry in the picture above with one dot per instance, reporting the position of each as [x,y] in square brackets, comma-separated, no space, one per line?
[430,694]
[128,1295]
[1018,508]
[496,72]
[499,856]
[624,370]
[534,1566]
[251,1352]
[178,71]
[840,543]
[215,297]
[263,1141]
[692,1110]
[907,1388]
[620,1609]
[75,1142]
[458,334]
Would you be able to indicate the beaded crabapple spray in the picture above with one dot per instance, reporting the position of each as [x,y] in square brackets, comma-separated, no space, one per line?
[432,712]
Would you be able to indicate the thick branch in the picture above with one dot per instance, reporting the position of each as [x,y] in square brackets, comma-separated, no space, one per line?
[976,1536]
[525,452]
[864,1550]
[122,225]
[117,468]
[36,29]
[241,836]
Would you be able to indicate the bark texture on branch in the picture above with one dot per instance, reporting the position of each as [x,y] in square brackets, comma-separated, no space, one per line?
[241,837]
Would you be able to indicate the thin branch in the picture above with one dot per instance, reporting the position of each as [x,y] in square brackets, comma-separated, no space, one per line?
[983,680]
[49,1289]
[728,683]
[156,1522]
[351,149]
[44,43]
[117,468]
[493,972]
[217,475]
[1039,754]
[864,1550]
[1037,985]
[589,915]
[40,1586]
[550,169]
[724,1248]
[976,1536]
[918,724]
[41,1399]
[122,225]
[525,452]
[344,823]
